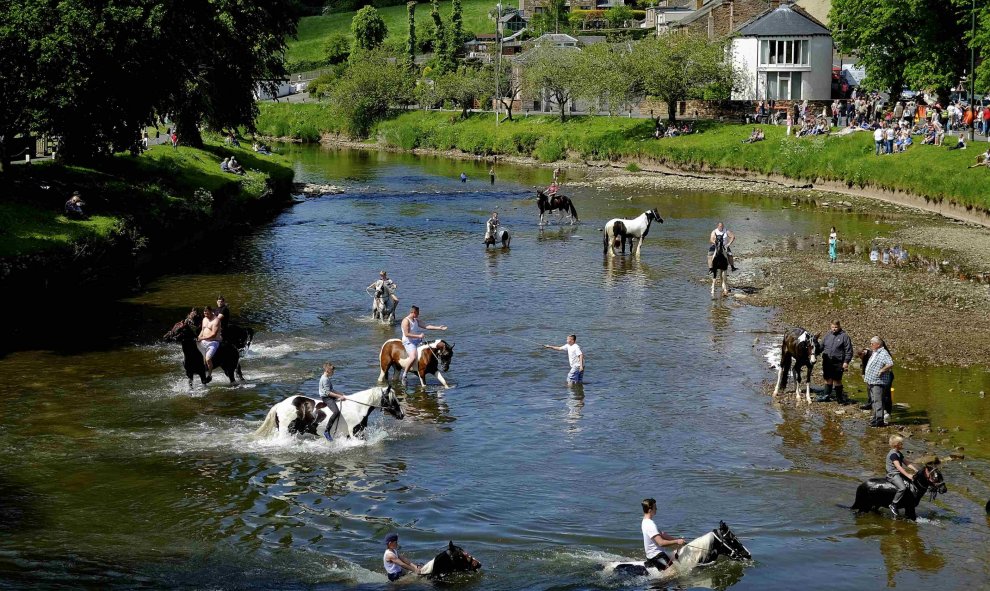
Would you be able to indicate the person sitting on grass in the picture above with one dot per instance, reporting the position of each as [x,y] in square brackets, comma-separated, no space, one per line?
[225,165]
[960,144]
[753,136]
[235,166]
[982,159]
[73,207]
[261,149]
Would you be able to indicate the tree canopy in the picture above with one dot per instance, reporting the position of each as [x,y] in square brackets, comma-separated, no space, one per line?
[368,28]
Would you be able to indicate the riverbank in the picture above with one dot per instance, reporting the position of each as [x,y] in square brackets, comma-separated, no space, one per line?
[141,211]
[924,176]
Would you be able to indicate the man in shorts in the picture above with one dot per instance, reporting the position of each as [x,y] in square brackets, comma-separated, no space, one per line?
[575,358]
[412,337]
[209,339]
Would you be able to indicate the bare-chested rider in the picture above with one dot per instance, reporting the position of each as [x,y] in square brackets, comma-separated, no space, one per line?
[491,226]
[728,238]
[412,338]
[209,339]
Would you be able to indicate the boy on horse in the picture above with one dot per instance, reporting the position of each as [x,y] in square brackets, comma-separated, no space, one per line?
[330,397]
[491,226]
[654,540]
[412,338]
[396,565]
[209,339]
[728,238]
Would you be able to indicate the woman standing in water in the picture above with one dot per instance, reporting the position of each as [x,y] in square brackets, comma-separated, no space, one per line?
[833,240]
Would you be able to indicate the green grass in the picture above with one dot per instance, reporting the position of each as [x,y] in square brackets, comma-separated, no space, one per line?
[934,173]
[140,196]
[314,30]
[304,121]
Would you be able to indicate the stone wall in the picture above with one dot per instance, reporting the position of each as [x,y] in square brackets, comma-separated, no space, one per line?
[721,20]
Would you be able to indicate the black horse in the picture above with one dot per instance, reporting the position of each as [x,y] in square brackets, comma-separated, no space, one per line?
[718,264]
[227,357]
[799,349]
[452,560]
[879,492]
[561,203]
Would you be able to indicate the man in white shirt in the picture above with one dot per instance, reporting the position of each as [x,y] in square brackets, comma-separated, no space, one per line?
[574,356]
[653,539]
[878,135]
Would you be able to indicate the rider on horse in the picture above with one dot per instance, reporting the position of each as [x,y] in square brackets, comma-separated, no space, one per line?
[384,286]
[653,539]
[396,565]
[209,339]
[491,226]
[223,313]
[330,397]
[728,238]
[897,473]
[412,338]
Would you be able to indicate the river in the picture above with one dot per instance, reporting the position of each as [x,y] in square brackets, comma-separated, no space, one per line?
[113,475]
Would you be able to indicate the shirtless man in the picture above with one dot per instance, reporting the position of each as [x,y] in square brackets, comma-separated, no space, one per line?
[491,226]
[209,339]
[412,338]
[728,238]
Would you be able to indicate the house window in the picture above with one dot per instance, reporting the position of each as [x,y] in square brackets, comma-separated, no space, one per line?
[784,52]
[784,85]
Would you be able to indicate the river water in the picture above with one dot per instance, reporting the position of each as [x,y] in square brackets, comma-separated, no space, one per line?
[113,475]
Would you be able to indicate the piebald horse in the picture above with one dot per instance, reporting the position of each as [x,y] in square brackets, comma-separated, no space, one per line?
[430,358]
[501,235]
[701,552]
[719,265]
[547,204]
[799,349]
[453,559]
[618,230]
[304,415]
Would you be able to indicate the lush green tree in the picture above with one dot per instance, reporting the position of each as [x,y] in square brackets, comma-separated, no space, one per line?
[441,43]
[368,28]
[462,88]
[20,52]
[456,25]
[610,72]
[337,49]
[918,43]
[509,85]
[550,20]
[375,82]
[411,41]
[674,68]
[618,15]
[554,73]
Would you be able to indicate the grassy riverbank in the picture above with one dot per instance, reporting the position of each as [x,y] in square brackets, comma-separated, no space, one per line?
[136,199]
[934,173]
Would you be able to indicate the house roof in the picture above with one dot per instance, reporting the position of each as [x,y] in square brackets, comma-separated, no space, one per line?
[591,39]
[508,17]
[527,55]
[701,12]
[556,39]
[784,20]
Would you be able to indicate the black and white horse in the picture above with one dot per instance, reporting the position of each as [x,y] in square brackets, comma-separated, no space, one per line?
[561,203]
[799,349]
[618,230]
[227,358]
[879,492]
[719,265]
[500,235]
[701,552]
[304,415]
[452,560]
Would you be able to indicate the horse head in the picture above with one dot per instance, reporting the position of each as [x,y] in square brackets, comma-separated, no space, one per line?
[653,214]
[390,404]
[184,328]
[460,560]
[810,344]
[444,353]
[931,477]
[732,546]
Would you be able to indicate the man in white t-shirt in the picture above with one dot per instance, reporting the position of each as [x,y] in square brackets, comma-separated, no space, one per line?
[653,540]
[574,356]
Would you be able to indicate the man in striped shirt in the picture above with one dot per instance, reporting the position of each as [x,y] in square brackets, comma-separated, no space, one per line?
[877,377]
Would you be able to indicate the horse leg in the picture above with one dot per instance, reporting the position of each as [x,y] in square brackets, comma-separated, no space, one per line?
[807,386]
[240,374]
[725,286]
[383,374]
[714,279]
[442,381]
[783,371]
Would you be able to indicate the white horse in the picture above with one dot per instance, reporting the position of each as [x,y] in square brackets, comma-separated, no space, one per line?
[301,414]
[701,552]
[618,230]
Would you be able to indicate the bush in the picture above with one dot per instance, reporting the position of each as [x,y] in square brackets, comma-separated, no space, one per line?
[337,49]
[633,167]
[549,149]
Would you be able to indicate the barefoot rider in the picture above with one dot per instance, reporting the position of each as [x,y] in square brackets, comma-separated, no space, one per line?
[412,338]
[330,397]
[728,238]
[209,339]
[491,226]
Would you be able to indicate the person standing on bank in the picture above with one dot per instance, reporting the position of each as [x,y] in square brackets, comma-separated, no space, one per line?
[837,352]
[878,377]
[396,565]
[833,244]
[574,356]
[412,337]
[654,540]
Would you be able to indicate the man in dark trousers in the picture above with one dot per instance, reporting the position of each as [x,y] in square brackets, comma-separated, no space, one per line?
[837,352]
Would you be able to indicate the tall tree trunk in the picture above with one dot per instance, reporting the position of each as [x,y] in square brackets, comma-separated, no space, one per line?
[671,111]
[187,127]
[4,155]
[508,109]
[563,108]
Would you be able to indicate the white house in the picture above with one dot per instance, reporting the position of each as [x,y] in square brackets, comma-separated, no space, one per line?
[785,53]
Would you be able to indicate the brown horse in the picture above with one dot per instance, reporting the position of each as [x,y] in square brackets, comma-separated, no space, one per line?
[431,358]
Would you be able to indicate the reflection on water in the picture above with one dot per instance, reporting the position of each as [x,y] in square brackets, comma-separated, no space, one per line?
[901,545]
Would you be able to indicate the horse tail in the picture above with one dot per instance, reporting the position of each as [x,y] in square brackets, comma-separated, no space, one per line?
[269,425]
[605,240]
[570,204]
[250,338]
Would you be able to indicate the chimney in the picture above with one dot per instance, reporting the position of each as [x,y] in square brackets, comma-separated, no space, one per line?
[698,4]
